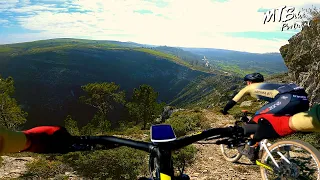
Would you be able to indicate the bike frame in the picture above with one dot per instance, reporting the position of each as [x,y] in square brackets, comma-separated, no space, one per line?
[264,144]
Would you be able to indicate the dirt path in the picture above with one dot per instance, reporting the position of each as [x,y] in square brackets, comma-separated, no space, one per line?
[13,167]
[211,165]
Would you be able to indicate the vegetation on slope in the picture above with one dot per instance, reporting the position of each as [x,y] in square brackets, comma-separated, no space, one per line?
[54,70]
[60,45]
[241,63]
[207,91]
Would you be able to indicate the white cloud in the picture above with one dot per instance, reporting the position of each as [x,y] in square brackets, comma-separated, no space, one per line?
[3,21]
[180,23]
[36,8]
[24,2]
[5,4]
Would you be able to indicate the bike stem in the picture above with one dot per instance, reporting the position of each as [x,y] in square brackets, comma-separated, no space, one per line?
[164,161]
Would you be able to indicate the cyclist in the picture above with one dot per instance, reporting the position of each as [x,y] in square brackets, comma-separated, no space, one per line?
[275,126]
[283,100]
[41,139]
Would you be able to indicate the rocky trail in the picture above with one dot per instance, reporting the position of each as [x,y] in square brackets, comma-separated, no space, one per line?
[210,164]
[13,167]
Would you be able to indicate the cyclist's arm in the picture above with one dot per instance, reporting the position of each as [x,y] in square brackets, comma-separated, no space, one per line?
[12,141]
[236,98]
[41,139]
[242,93]
[308,121]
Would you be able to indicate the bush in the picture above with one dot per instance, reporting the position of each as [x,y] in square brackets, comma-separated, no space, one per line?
[134,130]
[120,163]
[72,126]
[184,122]
[185,155]
[312,138]
[43,168]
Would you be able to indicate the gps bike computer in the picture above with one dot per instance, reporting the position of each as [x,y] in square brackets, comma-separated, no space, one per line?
[162,133]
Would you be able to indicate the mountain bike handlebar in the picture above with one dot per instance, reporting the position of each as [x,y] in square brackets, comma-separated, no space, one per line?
[81,142]
[159,150]
[111,141]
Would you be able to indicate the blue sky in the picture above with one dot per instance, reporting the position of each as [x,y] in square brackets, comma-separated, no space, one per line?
[225,24]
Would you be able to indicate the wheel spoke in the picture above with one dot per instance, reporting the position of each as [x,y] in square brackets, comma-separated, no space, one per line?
[303,158]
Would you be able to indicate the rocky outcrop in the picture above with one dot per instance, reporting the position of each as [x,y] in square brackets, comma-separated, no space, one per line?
[302,57]
[166,113]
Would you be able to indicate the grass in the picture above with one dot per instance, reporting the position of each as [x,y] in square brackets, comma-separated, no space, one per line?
[172,58]
[5,49]
[60,45]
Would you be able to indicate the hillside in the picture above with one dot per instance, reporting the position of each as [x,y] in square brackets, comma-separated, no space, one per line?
[242,62]
[207,91]
[187,56]
[48,74]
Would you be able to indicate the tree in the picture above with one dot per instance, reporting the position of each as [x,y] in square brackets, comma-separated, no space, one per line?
[103,97]
[143,107]
[72,126]
[11,115]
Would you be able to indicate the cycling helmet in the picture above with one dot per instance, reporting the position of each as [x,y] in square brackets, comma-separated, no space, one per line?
[254,77]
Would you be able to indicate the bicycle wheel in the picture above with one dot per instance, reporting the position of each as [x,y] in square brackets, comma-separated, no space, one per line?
[303,157]
[230,154]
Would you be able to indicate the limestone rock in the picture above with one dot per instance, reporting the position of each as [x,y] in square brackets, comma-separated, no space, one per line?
[246,103]
[302,57]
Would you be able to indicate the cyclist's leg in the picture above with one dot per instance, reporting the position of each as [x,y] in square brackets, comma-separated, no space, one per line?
[250,129]
[265,130]
[250,150]
[285,104]
[298,103]
[276,106]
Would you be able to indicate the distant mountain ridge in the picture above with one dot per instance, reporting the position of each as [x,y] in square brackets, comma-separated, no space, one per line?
[49,74]
[243,62]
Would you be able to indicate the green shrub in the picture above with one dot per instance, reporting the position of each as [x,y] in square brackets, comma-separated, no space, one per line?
[312,138]
[131,131]
[43,168]
[182,125]
[72,126]
[185,155]
[197,109]
[89,130]
[119,163]
[184,122]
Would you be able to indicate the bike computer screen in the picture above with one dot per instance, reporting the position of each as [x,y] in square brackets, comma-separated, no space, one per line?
[162,133]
